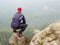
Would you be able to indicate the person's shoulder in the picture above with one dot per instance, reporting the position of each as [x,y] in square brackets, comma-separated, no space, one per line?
[22,15]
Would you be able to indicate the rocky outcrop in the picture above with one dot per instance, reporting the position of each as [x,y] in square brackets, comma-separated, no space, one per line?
[16,40]
[48,36]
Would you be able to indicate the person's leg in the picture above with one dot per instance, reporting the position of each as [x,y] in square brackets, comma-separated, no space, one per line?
[14,30]
[22,27]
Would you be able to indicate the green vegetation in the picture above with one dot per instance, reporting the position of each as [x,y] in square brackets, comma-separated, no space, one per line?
[4,36]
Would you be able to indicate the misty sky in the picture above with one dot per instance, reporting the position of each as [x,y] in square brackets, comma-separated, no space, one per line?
[32,9]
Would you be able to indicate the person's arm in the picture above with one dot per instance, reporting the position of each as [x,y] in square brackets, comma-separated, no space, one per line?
[24,21]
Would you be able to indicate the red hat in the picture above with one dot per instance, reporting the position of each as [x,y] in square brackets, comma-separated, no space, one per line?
[19,9]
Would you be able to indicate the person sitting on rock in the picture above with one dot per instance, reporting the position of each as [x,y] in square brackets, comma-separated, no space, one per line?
[18,22]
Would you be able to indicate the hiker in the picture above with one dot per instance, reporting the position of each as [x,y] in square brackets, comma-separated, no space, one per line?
[18,22]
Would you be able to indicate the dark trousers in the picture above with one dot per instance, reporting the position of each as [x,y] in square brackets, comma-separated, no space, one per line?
[22,27]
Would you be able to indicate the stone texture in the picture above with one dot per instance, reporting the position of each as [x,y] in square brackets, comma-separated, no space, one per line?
[15,40]
[48,36]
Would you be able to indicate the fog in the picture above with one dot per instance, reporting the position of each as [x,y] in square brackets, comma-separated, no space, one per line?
[37,12]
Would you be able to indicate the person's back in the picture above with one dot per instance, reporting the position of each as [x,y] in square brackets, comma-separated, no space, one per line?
[18,21]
